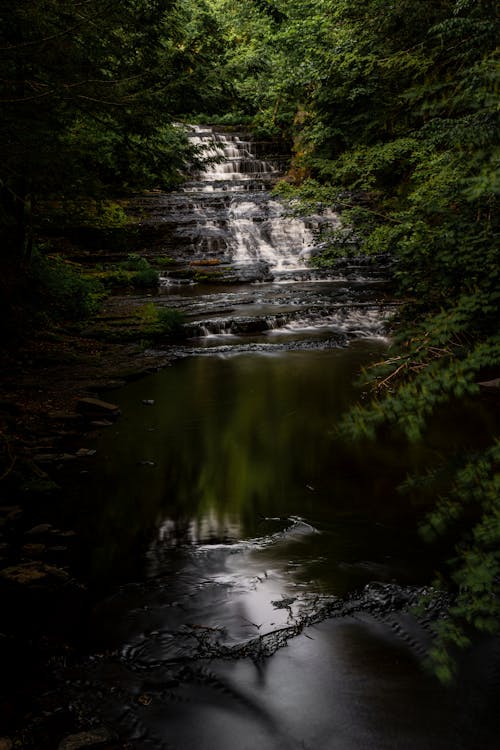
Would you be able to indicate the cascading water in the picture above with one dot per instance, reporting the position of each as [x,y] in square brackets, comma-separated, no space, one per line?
[257,230]
[226,215]
[226,225]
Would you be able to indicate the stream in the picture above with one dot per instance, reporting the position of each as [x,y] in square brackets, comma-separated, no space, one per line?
[257,574]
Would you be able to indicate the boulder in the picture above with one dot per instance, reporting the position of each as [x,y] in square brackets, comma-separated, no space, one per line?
[6,743]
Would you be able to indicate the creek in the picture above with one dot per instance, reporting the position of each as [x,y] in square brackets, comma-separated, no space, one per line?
[256,572]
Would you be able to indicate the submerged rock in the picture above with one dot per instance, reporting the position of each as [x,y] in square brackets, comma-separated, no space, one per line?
[94,408]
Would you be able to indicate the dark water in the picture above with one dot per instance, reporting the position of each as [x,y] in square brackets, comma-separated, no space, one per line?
[233,440]
[226,511]
[232,534]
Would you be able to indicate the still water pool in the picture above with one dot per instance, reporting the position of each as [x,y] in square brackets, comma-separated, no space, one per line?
[225,521]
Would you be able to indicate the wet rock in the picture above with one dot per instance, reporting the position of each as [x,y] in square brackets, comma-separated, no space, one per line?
[34,551]
[94,408]
[148,401]
[27,574]
[45,458]
[109,385]
[65,535]
[10,514]
[41,530]
[65,416]
[82,452]
[101,423]
[92,738]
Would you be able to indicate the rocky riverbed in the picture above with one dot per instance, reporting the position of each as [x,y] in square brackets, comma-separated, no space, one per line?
[50,412]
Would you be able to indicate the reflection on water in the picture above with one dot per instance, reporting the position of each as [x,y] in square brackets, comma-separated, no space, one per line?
[229,442]
[213,449]
[253,520]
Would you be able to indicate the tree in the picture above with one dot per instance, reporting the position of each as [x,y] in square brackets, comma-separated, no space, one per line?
[89,92]
[392,109]
[408,126]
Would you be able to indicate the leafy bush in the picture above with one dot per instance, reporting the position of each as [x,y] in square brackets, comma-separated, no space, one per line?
[144,275]
[170,322]
[61,290]
[135,262]
[164,261]
[148,277]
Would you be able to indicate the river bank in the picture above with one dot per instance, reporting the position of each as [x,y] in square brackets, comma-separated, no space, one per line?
[43,592]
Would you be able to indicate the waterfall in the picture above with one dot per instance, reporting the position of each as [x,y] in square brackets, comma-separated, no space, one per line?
[232,214]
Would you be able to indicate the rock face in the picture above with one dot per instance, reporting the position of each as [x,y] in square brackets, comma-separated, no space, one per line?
[94,408]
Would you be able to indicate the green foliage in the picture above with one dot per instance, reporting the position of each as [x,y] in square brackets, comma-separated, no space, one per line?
[97,214]
[136,262]
[162,322]
[475,570]
[165,261]
[60,290]
[146,278]
[89,95]
[170,322]
[142,273]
